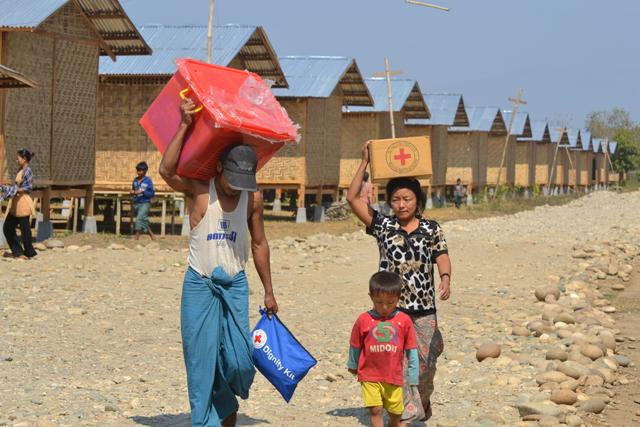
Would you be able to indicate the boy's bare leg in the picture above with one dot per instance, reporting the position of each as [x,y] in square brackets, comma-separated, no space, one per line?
[230,421]
[150,233]
[376,416]
[394,420]
[137,236]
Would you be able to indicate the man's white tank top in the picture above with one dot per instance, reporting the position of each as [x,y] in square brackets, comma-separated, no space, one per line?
[221,238]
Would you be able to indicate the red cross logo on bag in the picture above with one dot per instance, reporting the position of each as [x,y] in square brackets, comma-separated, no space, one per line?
[259,338]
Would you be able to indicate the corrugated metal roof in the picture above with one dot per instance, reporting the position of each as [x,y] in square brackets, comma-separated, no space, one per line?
[447,109]
[574,137]
[613,146]
[483,119]
[559,135]
[319,76]
[107,16]
[521,123]
[171,42]
[406,96]
[539,132]
[585,140]
[597,145]
[10,78]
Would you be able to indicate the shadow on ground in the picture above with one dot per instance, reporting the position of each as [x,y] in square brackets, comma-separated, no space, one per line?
[184,420]
[362,416]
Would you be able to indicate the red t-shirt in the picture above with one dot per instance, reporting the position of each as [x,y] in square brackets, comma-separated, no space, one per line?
[382,342]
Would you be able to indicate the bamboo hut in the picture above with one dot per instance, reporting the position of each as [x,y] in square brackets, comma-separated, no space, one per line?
[319,88]
[521,155]
[128,87]
[360,124]
[559,140]
[542,153]
[58,44]
[474,151]
[569,166]
[446,110]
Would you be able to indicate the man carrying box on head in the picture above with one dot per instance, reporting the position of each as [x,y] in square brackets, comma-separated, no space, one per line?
[215,294]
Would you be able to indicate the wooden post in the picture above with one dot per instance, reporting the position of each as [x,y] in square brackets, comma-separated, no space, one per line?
[173,214]
[45,205]
[319,196]
[131,213]
[164,215]
[210,33]
[387,73]
[516,102]
[88,202]
[118,215]
[75,214]
[301,193]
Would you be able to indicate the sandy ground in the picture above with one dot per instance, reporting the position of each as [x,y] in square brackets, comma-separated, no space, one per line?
[91,336]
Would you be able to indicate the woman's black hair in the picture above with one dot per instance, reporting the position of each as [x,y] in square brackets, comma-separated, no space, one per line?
[26,154]
[365,177]
[142,166]
[411,184]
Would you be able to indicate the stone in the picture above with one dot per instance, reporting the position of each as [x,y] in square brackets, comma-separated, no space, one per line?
[565,317]
[551,377]
[488,350]
[542,292]
[54,244]
[594,381]
[446,422]
[618,287]
[557,354]
[520,331]
[116,247]
[608,340]
[624,361]
[564,396]
[593,406]
[611,363]
[612,270]
[542,408]
[40,247]
[573,420]
[609,309]
[538,327]
[573,369]
[591,351]
[110,408]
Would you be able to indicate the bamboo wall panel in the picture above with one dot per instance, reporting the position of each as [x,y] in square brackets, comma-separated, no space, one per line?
[68,21]
[74,112]
[481,139]
[601,168]
[495,148]
[323,141]
[543,158]
[28,111]
[288,165]
[523,156]
[462,154]
[356,130]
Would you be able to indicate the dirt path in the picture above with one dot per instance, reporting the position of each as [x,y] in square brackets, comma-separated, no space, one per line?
[90,336]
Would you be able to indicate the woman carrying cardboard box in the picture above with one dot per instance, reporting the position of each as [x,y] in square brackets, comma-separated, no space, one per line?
[410,245]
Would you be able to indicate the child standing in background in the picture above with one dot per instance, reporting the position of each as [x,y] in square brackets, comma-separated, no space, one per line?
[380,340]
[142,191]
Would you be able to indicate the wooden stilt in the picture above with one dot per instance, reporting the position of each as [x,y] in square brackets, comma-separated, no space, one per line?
[131,216]
[75,214]
[173,215]
[164,216]
[118,214]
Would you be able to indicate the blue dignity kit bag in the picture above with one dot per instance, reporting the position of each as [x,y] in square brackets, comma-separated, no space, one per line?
[278,355]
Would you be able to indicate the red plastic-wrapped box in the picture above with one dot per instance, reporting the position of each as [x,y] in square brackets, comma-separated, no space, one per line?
[237,106]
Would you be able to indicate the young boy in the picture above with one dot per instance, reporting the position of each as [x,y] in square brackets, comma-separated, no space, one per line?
[380,340]
[142,191]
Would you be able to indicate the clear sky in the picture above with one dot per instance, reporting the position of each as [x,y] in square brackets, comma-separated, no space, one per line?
[570,57]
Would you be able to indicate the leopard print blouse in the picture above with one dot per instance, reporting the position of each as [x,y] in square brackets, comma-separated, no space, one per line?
[412,256]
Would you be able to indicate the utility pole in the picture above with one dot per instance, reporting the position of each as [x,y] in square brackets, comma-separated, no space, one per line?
[210,34]
[517,101]
[387,75]
[421,3]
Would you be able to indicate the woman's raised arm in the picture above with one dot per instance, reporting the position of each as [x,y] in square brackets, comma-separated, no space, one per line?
[359,206]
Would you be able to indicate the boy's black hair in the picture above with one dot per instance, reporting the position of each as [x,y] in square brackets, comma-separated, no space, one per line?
[412,184]
[384,282]
[142,166]
[26,154]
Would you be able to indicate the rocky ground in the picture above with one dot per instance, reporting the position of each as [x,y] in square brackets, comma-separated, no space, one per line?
[90,336]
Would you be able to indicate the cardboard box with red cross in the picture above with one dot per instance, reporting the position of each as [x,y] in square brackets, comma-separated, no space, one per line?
[400,157]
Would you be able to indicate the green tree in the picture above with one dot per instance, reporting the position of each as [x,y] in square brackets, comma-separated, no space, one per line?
[627,155]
